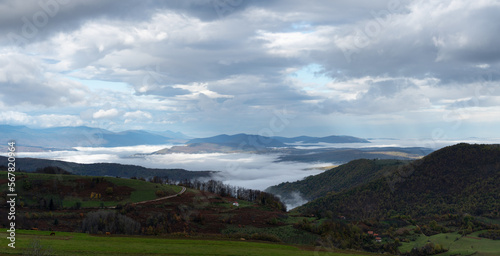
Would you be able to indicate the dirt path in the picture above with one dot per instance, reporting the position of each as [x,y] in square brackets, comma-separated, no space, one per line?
[157,199]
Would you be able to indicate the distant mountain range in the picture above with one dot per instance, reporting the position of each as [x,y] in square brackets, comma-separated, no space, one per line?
[328,139]
[81,136]
[242,141]
[257,141]
[252,143]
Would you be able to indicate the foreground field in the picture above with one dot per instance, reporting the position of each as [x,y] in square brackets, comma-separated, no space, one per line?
[65,243]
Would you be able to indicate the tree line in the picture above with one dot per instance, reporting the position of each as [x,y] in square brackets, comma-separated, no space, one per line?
[226,190]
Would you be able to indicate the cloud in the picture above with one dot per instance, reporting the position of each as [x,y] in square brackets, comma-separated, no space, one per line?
[14,117]
[137,116]
[106,114]
[46,120]
[204,63]
[27,80]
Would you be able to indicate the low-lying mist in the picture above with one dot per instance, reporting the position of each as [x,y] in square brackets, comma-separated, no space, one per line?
[254,171]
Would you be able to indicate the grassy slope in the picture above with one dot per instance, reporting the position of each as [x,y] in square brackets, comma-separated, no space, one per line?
[464,245]
[142,190]
[82,244]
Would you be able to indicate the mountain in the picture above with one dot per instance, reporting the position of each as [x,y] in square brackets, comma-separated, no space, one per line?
[132,138]
[241,141]
[462,178]
[172,134]
[328,139]
[340,178]
[107,169]
[199,148]
[81,136]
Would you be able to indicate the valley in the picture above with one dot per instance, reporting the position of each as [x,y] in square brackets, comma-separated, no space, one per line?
[368,205]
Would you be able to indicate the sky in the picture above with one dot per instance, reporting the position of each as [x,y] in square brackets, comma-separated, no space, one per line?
[366,68]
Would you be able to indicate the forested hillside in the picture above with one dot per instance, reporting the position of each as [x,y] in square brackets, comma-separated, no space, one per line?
[457,179]
[340,178]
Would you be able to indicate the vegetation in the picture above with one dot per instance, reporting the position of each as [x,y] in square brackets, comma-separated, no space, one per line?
[454,243]
[52,170]
[56,191]
[444,204]
[251,195]
[491,234]
[457,179]
[337,179]
[100,222]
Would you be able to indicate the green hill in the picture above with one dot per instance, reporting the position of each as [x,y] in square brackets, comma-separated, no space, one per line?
[457,179]
[340,178]
[38,190]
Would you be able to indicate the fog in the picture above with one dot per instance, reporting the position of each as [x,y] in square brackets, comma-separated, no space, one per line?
[253,171]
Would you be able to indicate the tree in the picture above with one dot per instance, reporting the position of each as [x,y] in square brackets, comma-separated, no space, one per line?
[51,204]
[109,190]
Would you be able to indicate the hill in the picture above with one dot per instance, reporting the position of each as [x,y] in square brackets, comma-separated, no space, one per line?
[107,169]
[340,178]
[202,148]
[99,205]
[240,141]
[457,179]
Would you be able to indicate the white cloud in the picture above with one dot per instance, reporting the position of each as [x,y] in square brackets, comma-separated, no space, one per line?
[46,120]
[14,117]
[106,114]
[136,116]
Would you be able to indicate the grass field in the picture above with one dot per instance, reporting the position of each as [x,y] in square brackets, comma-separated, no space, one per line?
[469,245]
[64,243]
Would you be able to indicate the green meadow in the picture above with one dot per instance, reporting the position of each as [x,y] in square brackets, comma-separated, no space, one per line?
[457,245]
[64,243]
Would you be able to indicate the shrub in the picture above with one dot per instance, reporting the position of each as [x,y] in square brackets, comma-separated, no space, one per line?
[160,193]
[109,221]
[265,237]
[109,190]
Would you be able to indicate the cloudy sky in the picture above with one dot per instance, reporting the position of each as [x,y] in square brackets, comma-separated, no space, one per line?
[368,68]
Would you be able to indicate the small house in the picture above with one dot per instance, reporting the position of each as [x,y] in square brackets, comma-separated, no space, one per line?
[378,239]
[370,233]
[236,204]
